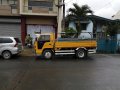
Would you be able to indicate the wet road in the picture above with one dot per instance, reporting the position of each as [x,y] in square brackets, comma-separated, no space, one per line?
[97,72]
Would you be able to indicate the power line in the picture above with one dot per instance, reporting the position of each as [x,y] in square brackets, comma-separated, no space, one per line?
[68,2]
[105,5]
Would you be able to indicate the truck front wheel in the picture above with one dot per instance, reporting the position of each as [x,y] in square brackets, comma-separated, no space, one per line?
[47,54]
[81,53]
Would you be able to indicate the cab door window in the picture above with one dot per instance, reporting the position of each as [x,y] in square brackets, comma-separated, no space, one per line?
[44,38]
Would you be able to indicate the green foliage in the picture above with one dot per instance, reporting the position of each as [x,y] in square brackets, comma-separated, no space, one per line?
[69,32]
[112,29]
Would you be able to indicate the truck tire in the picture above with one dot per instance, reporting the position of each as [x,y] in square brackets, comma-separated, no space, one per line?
[48,54]
[6,55]
[81,53]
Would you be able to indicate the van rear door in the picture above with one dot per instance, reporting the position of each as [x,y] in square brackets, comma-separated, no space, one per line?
[19,44]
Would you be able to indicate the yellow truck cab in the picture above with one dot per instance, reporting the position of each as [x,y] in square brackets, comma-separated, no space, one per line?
[47,46]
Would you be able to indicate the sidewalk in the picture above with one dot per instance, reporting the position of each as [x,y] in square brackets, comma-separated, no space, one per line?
[27,52]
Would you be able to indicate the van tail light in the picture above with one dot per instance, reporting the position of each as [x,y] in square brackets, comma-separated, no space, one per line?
[16,45]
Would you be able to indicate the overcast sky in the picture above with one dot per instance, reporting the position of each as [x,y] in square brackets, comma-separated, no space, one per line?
[104,8]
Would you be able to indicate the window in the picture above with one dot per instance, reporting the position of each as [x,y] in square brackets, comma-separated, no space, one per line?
[6,40]
[13,6]
[12,1]
[4,2]
[40,3]
[14,11]
[83,26]
[7,2]
[30,8]
[44,38]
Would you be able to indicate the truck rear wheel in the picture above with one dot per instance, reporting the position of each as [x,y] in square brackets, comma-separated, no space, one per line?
[81,53]
[48,54]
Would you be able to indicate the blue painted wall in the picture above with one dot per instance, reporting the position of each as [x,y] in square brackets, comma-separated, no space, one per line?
[84,34]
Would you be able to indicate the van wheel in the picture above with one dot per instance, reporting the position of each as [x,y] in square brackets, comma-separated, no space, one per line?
[81,53]
[6,55]
[48,54]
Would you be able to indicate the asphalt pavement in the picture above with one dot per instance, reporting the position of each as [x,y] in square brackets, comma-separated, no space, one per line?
[97,72]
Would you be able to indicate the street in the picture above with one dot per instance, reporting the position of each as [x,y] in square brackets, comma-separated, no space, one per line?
[97,72]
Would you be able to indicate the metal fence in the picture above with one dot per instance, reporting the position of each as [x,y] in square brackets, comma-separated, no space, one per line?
[106,44]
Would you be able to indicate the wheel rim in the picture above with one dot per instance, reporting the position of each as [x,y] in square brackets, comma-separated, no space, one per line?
[81,54]
[6,55]
[48,55]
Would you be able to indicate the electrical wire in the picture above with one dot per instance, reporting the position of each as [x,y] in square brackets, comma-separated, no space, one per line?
[68,2]
[106,5]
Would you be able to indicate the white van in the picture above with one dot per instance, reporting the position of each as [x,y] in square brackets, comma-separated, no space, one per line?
[9,46]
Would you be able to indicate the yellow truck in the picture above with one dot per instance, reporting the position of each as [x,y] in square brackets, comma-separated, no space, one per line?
[47,46]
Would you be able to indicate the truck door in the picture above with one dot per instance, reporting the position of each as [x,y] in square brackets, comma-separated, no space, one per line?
[42,40]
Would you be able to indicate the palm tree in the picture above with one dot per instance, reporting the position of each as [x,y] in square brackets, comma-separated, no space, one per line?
[76,13]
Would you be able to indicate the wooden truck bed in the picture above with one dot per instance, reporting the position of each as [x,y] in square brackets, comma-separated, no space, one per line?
[76,43]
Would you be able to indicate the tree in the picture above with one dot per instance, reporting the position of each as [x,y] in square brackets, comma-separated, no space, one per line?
[112,29]
[70,32]
[76,13]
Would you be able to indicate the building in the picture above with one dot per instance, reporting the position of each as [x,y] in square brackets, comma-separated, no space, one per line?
[91,25]
[21,17]
[10,21]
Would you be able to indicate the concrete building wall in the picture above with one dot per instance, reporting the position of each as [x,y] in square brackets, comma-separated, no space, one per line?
[8,9]
[5,10]
[40,20]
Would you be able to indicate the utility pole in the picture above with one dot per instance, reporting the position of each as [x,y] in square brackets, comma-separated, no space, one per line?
[63,23]
[59,17]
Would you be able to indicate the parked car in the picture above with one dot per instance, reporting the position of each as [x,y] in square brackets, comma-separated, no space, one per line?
[9,46]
